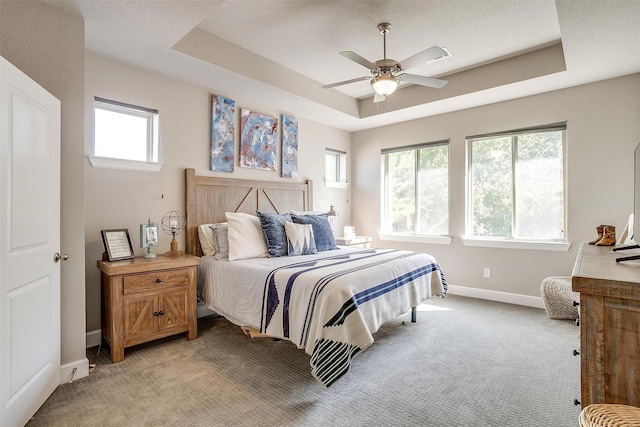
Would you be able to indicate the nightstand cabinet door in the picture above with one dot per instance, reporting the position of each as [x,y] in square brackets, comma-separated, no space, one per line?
[174,307]
[140,319]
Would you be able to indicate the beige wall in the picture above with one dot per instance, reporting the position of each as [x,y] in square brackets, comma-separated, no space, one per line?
[603,121]
[125,199]
[48,46]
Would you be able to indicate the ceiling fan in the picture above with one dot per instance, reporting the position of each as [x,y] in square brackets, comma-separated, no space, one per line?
[388,73]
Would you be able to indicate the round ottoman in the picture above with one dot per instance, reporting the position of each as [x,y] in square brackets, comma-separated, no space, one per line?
[558,298]
[609,415]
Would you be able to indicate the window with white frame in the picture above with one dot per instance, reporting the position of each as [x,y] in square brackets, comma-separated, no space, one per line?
[416,189]
[124,132]
[516,184]
[335,167]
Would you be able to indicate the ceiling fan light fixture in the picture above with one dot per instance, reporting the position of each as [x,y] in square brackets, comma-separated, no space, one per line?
[385,85]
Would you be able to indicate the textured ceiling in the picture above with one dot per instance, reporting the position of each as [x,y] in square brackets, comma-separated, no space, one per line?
[279,53]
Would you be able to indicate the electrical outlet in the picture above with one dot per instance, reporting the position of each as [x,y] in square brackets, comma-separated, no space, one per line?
[487,273]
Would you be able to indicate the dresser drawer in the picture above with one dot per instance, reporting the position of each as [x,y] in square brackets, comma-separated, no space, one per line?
[160,279]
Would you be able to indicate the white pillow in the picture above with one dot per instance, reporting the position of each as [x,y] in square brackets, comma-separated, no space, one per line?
[205,234]
[245,236]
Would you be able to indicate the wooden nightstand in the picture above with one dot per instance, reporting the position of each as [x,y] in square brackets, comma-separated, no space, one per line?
[357,241]
[146,299]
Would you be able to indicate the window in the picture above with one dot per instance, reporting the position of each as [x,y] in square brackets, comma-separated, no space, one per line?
[416,190]
[516,184]
[335,168]
[124,133]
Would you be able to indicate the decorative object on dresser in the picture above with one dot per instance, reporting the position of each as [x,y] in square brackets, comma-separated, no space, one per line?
[609,326]
[117,244]
[149,238]
[606,236]
[146,299]
[173,223]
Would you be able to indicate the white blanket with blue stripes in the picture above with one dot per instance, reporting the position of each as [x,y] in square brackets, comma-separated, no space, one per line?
[332,306]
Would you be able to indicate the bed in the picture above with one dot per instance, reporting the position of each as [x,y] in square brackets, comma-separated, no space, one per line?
[329,303]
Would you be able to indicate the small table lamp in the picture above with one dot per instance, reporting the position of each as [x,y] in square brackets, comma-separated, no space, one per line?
[332,214]
[173,223]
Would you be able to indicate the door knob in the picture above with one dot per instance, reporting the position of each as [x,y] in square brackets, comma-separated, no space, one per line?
[57,257]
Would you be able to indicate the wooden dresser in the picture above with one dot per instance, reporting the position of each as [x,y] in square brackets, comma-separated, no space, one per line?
[146,299]
[609,325]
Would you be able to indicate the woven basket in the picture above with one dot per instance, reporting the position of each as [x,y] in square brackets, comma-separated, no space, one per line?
[609,415]
[558,298]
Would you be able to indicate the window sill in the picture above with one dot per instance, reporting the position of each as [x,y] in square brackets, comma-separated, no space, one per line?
[334,184]
[132,165]
[517,244]
[415,238]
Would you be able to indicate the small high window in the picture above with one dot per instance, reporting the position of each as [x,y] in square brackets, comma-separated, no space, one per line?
[335,168]
[124,133]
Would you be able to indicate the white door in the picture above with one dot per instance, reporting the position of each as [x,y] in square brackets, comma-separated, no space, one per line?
[29,239]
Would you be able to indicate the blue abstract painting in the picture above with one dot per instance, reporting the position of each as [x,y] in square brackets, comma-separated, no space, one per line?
[258,140]
[223,131]
[289,147]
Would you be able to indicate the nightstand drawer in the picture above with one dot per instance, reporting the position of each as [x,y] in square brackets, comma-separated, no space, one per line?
[149,281]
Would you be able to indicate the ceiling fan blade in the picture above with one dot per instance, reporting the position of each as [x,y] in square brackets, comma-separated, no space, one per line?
[346,82]
[378,98]
[423,80]
[359,59]
[431,54]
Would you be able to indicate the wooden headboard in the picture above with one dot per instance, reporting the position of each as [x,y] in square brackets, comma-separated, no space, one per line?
[207,199]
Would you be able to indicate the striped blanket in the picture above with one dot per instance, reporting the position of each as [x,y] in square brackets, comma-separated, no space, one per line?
[330,307]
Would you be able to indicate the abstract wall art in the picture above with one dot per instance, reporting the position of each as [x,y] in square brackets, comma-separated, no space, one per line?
[223,111]
[289,147]
[258,140]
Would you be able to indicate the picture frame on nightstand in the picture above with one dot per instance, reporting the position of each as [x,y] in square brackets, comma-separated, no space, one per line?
[117,244]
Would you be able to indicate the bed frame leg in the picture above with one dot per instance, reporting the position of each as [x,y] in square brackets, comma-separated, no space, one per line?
[413,314]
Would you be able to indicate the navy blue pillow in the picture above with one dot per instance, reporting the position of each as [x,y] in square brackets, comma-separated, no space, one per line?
[322,234]
[275,236]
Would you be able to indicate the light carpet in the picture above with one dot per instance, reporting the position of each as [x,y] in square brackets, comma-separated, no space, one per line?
[467,362]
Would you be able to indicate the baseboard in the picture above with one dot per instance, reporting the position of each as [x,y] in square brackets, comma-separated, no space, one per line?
[506,297]
[94,338]
[67,374]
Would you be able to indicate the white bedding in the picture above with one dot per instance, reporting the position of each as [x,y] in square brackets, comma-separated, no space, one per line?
[329,304]
[234,289]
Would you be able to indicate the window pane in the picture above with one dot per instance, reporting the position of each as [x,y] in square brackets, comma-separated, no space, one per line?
[331,167]
[539,186]
[401,189]
[120,136]
[491,187]
[433,181]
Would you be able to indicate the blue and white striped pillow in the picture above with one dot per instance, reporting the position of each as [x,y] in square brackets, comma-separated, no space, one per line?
[300,239]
